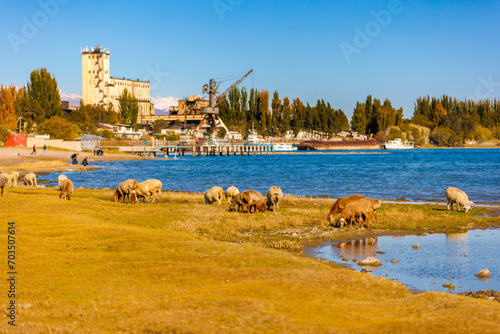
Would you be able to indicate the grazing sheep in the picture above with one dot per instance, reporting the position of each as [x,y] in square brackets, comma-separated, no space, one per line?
[236,203]
[362,208]
[340,204]
[274,198]
[3,182]
[67,189]
[11,178]
[150,188]
[127,188]
[61,178]
[230,193]
[455,195]
[214,194]
[252,199]
[14,180]
[30,180]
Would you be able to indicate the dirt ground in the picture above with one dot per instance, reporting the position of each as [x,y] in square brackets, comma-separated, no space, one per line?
[18,157]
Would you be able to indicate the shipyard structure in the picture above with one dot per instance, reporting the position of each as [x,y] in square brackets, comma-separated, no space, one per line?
[99,88]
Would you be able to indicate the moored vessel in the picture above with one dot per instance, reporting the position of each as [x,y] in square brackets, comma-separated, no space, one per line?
[397,144]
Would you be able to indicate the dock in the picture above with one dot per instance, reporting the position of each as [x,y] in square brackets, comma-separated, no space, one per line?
[197,150]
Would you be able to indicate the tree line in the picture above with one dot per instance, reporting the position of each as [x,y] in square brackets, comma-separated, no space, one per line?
[443,121]
[37,107]
[243,110]
[452,121]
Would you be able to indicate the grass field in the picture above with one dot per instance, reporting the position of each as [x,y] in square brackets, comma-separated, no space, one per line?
[90,265]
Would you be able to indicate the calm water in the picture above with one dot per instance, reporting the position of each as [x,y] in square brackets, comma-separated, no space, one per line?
[415,174]
[459,256]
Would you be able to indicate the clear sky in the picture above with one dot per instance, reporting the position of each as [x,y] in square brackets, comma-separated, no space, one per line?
[339,51]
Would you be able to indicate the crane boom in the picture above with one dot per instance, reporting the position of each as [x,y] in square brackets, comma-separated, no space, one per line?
[221,96]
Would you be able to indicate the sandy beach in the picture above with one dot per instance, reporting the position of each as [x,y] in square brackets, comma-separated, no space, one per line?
[20,159]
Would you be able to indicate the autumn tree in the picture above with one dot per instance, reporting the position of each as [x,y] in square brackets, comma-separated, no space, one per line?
[59,127]
[42,87]
[7,107]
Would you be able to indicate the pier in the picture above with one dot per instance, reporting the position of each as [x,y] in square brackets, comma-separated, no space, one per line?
[197,150]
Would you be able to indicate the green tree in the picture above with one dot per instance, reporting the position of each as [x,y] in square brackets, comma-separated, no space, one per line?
[263,112]
[358,121]
[276,110]
[42,87]
[129,107]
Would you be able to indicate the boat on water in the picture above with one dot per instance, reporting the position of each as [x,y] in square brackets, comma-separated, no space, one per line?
[397,144]
[283,147]
[331,145]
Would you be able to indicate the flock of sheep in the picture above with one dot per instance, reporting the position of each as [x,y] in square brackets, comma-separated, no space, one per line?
[247,200]
[352,209]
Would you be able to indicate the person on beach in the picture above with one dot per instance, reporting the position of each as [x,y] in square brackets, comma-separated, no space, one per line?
[44,149]
[74,161]
[85,162]
[34,150]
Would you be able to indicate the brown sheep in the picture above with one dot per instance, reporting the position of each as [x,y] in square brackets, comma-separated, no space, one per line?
[253,199]
[362,208]
[127,188]
[150,188]
[3,182]
[236,203]
[67,189]
[340,204]
[274,198]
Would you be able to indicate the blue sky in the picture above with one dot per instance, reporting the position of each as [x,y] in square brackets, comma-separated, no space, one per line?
[339,51]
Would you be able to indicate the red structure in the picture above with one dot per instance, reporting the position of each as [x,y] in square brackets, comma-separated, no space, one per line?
[16,140]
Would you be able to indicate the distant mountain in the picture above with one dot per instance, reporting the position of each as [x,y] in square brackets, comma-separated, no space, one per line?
[162,104]
[74,99]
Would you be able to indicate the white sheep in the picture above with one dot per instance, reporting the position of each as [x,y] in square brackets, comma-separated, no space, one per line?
[230,193]
[274,197]
[14,180]
[30,180]
[11,178]
[150,188]
[214,194]
[61,178]
[455,195]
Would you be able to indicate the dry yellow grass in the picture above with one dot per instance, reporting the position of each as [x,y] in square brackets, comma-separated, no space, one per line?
[38,164]
[90,265]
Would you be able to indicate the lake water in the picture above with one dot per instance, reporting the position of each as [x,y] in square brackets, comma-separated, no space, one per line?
[459,256]
[417,175]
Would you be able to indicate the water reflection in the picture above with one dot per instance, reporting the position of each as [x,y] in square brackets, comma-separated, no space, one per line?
[356,250]
[441,259]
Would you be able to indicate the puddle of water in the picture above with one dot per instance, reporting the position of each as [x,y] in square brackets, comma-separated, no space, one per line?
[441,259]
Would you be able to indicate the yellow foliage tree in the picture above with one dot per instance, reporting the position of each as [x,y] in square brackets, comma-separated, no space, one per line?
[7,108]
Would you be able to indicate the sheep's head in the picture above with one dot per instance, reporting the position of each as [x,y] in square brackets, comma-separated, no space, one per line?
[468,206]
